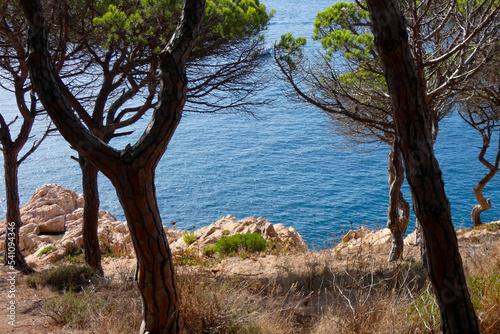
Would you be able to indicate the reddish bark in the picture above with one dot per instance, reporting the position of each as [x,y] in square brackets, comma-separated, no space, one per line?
[397,222]
[130,170]
[431,206]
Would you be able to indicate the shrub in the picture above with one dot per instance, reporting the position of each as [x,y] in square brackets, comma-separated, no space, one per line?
[72,310]
[423,311]
[485,296]
[189,238]
[213,306]
[70,277]
[252,243]
[208,250]
[46,250]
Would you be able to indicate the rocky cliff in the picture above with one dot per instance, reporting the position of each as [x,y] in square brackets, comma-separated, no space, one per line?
[53,219]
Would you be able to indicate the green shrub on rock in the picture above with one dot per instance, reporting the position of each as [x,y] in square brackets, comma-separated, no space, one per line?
[252,243]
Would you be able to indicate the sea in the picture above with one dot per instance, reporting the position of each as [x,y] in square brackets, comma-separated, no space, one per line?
[282,163]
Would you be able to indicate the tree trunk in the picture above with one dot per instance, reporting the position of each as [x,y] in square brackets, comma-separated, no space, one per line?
[421,241]
[404,208]
[156,279]
[424,176]
[13,254]
[90,215]
[396,222]
[484,204]
[130,170]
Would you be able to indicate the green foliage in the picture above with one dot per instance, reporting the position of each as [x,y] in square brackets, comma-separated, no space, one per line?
[70,277]
[46,250]
[237,19]
[76,255]
[106,246]
[364,78]
[424,310]
[153,22]
[252,243]
[208,250]
[115,21]
[343,26]
[484,289]
[290,49]
[189,238]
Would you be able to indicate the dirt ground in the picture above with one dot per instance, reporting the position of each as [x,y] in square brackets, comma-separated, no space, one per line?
[476,248]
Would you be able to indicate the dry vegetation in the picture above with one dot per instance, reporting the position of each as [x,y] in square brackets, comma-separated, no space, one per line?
[362,295]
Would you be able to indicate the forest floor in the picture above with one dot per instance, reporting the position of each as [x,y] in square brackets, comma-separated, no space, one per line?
[349,290]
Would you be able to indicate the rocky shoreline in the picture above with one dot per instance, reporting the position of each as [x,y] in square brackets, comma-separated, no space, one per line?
[53,219]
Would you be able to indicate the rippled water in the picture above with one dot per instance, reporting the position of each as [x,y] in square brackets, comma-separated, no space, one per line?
[283,165]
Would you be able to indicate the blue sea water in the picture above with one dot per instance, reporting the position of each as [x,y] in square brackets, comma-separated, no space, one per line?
[284,165]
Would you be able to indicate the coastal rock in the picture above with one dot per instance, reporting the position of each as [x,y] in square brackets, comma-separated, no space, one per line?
[26,241]
[364,238]
[30,228]
[50,194]
[229,225]
[54,225]
[48,208]
[55,210]
[356,234]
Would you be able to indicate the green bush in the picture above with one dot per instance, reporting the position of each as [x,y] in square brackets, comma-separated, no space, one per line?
[208,250]
[484,290]
[189,238]
[46,250]
[66,277]
[252,243]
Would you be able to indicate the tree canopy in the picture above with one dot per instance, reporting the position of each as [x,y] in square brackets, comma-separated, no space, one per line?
[131,64]
[450,42]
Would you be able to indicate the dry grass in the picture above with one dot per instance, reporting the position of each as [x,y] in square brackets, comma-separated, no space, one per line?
[360,294]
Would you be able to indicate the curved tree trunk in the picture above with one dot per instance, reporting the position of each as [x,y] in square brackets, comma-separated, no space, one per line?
[90,215]
[156,277]
[13,254]
[404,208]
[423,173]
[484,204]
[397,222]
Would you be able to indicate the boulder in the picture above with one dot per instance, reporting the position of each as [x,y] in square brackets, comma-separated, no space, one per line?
[42,213]
[26,241]
[55,225]
[50,194]
[77,214]
[30,228]
[356,234]
[229,225]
